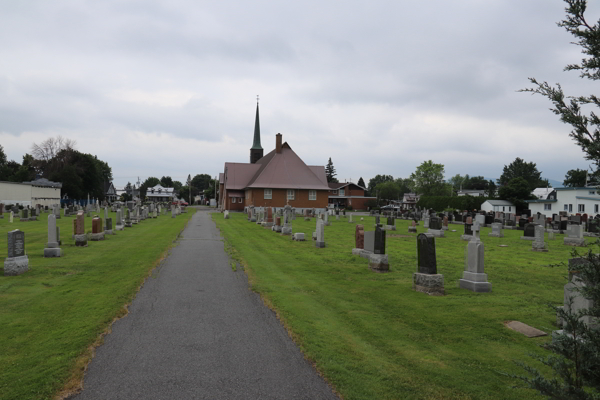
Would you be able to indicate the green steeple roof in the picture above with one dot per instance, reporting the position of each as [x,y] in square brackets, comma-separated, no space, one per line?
[256,144]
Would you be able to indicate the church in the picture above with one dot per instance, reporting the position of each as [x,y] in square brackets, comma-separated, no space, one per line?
[274,180]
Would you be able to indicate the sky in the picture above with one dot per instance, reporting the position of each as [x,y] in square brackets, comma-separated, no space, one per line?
[168,88]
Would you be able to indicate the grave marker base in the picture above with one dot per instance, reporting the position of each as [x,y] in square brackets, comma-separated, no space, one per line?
[16,265]
[52,252]
[574,242]
[379,262]
[431,284]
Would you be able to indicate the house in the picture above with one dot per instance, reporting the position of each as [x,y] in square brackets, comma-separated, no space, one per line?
[475,193]
[159,193]
[275,180]
[348,194]
[542,193]
[573,200]
[498,205]
[40,191]
[110,192]
[409,201]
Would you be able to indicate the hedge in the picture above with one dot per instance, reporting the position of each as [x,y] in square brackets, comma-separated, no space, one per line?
[440,203]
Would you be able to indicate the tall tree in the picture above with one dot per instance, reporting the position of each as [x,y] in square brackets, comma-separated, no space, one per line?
[201,181]
[388,190]
[576,358]
[405,185]
[575,178]
[330,172]
[361,182]
[428,179]
[373,182]
[521,169]
[166,181]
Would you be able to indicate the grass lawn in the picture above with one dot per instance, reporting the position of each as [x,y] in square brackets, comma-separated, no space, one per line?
[52,315]
[373,337]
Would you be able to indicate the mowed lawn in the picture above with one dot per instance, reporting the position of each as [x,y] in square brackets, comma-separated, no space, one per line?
[52,315]
[373,337]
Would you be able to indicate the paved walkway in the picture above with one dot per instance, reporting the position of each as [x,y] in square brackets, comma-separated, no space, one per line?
[195,331]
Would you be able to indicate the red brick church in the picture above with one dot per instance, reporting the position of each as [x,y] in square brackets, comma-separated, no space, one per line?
[274,180]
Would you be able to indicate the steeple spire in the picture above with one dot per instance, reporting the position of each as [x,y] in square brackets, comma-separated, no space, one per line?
[256,144]
[256,151]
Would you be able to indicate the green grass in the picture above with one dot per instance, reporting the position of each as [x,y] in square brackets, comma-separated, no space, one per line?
[51,316]
[373,337]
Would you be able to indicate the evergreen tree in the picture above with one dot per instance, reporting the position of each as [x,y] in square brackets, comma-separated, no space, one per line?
[361,182]
[330,172]
[576,358]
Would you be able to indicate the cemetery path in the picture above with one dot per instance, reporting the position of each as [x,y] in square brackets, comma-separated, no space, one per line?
[196,331]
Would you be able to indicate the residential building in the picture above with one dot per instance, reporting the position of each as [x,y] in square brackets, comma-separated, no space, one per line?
[498,206]
[110,192]
[159,193]
[409,201]
[348,194]
[469,192]
[572,200]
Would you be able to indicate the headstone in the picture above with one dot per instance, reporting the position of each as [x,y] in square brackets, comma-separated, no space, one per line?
[79,225]
[128,222]
[379,243]
[350,218]
[173,212]
[17,261]
[412,228]
[359,237]
[529,232]
[481,219]
[445,223]
[573,299]
[474,279]
[226,214]
[1,210]
[496,230]
[298,236]
[574,236]
[108,226]
[97,231]
[288,215]
[11,216]
[378,261]
[52,248]
[320,233]
[538,243]
[426,279]
[435,227]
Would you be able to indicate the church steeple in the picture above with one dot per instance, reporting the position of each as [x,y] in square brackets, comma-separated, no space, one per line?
[256,151]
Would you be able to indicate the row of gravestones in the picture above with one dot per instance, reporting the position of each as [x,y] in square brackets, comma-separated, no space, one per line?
[17,261]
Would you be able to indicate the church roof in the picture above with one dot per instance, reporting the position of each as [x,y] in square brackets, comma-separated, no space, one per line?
[283,170]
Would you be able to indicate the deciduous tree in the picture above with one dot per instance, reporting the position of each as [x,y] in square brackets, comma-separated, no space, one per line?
[575,178]
[428,179]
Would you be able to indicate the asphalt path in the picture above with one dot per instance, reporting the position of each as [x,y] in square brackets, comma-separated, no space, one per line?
[196,331]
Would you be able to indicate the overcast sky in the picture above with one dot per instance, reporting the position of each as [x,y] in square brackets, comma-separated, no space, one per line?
[160,88]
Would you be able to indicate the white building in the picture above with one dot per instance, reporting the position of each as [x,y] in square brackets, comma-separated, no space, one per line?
[160,193]
[577,200]
[41,191]
[498,206]
[474,193]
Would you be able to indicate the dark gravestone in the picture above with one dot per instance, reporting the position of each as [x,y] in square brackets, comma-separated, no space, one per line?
[16,244]
[593,226]
[379,247]
[489,219]
[377,220]
[391,221]
[563,225]
[435,223]
[522,223]
[529,230]
[359,237]
[468,229]
[427,263]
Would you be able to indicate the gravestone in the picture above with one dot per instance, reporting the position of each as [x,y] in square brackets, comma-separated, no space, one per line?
[426,279]
[538,243]
[445,223]
[108,227]
[17,261]
[287,220]
[481,219]
[529,232]
[359,237]
[391,224]
[1,211]
[128,222]
[435,227]
[173,212]
[10,217]
[496,230]
[226,214]
[378,261]
[79,230]
[269,221]
[474,279]
[412,228]
[350,218]
[52,248]
[277,226]
[574,236]
[320,242]
[299,236]
[97,231]
[573,299]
